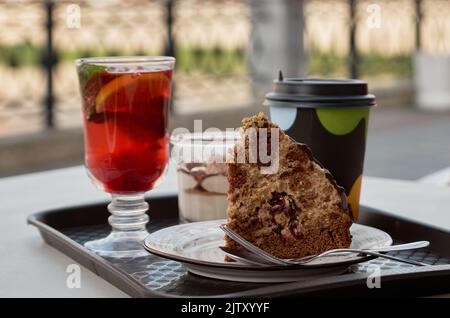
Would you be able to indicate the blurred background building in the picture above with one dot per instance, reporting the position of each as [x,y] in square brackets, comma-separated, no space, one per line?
[227,53]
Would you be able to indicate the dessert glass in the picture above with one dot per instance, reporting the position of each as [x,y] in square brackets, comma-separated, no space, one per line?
[200,160]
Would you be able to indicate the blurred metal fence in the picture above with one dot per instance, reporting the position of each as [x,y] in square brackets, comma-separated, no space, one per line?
[40,39]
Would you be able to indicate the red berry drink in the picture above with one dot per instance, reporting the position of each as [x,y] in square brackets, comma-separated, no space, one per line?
[125,108]
[125,119]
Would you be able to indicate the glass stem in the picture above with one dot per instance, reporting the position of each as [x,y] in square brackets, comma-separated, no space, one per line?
[128,212]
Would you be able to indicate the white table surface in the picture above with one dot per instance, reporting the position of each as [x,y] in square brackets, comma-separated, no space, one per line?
[441,177]
[30,268]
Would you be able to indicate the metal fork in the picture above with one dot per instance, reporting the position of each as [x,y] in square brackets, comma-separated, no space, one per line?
[304,260]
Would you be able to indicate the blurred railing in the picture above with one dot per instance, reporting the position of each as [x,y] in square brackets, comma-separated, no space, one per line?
[40,39]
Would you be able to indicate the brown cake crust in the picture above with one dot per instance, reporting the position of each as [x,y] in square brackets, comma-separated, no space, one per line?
[295,212]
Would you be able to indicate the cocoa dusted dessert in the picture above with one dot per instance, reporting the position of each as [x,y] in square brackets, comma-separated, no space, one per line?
[295,211]
[202,191]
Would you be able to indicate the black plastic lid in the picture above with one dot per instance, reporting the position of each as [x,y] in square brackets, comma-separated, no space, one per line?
[312,92]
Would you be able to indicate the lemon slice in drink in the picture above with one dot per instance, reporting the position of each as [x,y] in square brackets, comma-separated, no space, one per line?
[122,83]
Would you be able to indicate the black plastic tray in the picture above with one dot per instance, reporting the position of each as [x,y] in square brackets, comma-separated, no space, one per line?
[151,276]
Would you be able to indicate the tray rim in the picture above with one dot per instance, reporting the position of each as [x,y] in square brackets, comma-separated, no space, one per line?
[95,259]
[99,265]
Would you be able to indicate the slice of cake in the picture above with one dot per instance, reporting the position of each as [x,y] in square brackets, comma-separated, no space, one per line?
[295,211]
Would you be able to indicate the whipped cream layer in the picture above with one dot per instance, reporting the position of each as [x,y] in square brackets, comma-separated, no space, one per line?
[202,191]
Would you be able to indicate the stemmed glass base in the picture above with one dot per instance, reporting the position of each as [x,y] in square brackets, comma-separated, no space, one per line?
[128,219]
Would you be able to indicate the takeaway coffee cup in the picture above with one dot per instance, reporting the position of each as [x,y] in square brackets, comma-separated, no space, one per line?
[331,117]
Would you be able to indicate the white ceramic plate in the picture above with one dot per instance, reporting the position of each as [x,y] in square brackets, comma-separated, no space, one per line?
[197,246]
